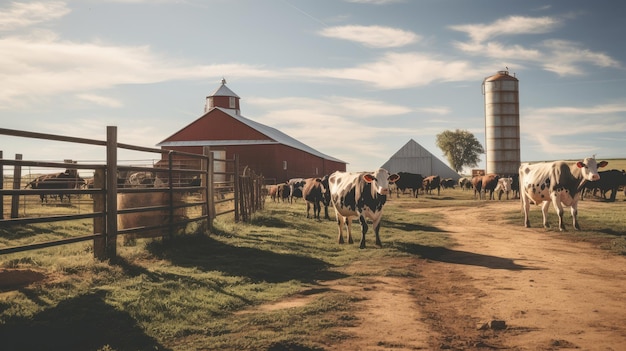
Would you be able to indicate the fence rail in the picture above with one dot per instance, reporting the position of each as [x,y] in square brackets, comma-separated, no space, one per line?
[204,198]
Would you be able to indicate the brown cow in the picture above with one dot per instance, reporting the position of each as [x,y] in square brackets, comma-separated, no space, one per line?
[485,183]
[273,192]
[315,192]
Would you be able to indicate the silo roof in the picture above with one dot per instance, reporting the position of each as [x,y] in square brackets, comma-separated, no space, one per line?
[501,75]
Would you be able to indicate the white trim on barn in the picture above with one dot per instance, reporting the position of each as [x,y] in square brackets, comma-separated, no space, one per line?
[413,158]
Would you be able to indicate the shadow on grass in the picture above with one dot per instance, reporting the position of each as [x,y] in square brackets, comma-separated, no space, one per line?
[208,254]
[442,254]
[85,322]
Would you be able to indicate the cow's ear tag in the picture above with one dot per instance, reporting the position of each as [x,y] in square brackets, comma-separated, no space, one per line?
[580,164]
[368,178]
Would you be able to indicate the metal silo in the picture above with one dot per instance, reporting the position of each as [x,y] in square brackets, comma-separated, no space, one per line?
[502,131]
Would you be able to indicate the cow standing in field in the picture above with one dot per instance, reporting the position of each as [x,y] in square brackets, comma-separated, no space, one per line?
[283,192]
[503,187]
[295,188]
[58,181]
[448,183]
[484,183]
[273,192]
[559,182]
[430,183]
[315,192]
[410,181]
[359,195]
[609,180]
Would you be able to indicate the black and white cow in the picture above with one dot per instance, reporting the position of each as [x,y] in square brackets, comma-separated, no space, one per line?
[559,182]
[359,195]
[295,188]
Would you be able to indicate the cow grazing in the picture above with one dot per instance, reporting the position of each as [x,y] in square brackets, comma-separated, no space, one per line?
[609,180]
[559,182]
[58,181]
[315,192]
[430,183]
[410,181]
[503,187]
[359,195]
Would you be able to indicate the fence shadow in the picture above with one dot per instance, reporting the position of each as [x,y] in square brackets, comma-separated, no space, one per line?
[442,254]
[208,254]
[82,323]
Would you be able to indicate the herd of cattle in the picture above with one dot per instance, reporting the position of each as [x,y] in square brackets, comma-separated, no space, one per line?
[363,195]
[70,179]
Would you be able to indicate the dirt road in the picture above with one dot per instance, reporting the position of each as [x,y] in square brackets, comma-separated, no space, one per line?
[503,287]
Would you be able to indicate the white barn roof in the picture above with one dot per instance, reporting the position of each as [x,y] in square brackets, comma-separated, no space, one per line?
[413,158]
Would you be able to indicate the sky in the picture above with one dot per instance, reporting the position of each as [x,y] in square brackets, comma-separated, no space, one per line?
[353,79]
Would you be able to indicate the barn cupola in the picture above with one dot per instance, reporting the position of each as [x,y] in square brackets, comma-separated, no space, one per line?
[222,97]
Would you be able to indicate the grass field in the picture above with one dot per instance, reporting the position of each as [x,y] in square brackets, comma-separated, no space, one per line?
[193,291]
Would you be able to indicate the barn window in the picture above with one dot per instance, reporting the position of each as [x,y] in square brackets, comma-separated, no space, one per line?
[317,171]
[285,165]
[231,102]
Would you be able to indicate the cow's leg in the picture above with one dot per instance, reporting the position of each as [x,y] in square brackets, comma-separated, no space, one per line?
[526,209]
[349,229]
[574,211]
[326,216]
[376,225]
[308,209]
[363,231]
[340,223]
[544,211]
[559,211]
[316,210]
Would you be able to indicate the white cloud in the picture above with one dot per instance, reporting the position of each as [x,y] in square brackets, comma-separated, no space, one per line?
[372,36]
[100,100]
[375,2]
[401,70]
[44,65]
[508,26]
[18,15]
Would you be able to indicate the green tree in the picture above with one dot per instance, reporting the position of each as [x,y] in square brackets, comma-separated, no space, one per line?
[461,148]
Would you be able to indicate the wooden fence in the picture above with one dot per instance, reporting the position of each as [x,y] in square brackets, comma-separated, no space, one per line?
[217,193]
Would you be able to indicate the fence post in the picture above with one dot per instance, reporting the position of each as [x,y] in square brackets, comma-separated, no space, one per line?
[1,187]
[170,182]
[99,223]
[236,187]
[111,193]
[207,180]
[17,183]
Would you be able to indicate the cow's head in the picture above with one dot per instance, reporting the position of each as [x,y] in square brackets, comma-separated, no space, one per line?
[380,180]
[589,168]
[325,190]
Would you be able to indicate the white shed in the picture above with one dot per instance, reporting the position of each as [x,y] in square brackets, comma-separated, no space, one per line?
[413,158]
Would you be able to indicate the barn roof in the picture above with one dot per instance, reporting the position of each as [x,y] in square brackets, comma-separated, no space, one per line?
[274,137]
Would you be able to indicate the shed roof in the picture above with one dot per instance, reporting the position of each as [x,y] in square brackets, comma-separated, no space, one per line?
[274,137]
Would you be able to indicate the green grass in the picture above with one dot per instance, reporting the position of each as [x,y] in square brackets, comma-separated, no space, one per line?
[201,291]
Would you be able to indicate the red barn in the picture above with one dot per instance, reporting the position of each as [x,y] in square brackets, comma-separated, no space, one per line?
[265,150]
